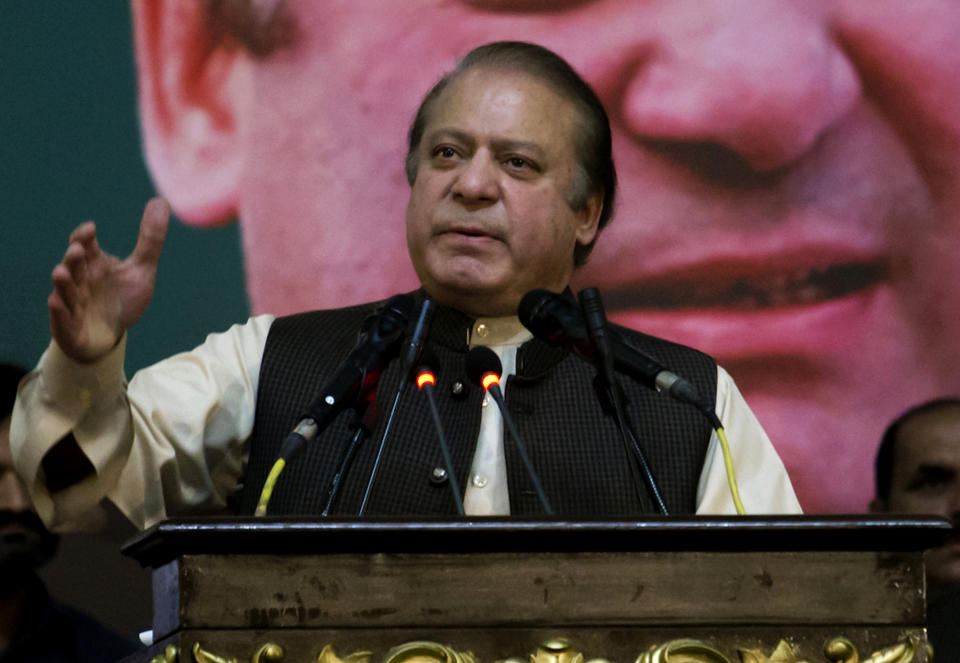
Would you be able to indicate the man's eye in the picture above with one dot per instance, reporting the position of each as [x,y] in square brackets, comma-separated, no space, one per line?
[444,152]
[929,484]
[519,163]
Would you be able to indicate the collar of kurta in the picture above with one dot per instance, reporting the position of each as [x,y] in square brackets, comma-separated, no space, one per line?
[452,329]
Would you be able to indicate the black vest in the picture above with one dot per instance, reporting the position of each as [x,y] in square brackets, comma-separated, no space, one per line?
[574,446]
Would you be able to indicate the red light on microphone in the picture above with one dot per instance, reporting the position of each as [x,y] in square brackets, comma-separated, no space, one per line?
[489,380]
[426,377]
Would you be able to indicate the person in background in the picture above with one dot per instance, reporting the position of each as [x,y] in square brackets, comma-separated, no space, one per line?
[918,471]
[33,627]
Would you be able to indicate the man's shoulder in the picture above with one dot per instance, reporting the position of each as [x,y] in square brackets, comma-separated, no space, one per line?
[332,314]
[332,322]
[660,347]
[689,363]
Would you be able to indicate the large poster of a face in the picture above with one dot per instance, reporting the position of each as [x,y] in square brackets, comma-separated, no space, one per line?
[789,177]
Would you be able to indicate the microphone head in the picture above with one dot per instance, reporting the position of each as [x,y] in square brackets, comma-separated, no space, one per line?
[551,317]
[424,375]
[399,306]
[392,318]
[482,361]
[531,306]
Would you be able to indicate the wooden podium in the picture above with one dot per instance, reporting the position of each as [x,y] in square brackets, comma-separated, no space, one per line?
[719,590]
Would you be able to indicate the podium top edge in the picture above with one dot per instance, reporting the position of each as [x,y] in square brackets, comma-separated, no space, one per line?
[308,535]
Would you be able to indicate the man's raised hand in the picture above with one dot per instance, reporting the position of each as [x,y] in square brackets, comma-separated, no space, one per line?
[96,296]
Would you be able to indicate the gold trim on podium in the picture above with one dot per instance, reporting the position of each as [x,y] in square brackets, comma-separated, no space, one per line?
[559,650]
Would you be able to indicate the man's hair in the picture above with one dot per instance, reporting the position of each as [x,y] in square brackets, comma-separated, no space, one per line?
[883,468]
[595,173]
[10,377]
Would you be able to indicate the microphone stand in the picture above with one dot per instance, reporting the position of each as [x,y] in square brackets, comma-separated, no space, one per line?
[352,383]
[426,381]
[364,421]
[596,323]
[484,368]
[412,355]
[497,394]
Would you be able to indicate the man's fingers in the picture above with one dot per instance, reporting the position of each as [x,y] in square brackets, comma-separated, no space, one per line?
[59,311]
[75,260]
[153,231]
[95,296]
[65,288]
[84,232]
[86,236]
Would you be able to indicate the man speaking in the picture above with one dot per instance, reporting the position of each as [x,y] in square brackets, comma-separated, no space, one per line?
[511,180]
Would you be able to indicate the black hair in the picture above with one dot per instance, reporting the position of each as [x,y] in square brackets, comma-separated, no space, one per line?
[883,467]
[595,175]
[10,377]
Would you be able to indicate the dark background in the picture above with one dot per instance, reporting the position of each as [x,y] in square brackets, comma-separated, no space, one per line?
[71,152]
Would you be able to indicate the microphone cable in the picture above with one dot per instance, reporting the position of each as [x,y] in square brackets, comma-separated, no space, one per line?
[708,411]
[728,466]
[555,319]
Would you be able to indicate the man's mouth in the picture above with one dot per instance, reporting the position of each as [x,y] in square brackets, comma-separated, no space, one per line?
[758,290]
[19,524]
[470,231]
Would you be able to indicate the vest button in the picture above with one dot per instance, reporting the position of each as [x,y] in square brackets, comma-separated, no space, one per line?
[438,476]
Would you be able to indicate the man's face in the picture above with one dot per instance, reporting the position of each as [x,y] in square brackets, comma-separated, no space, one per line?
[789,170]
[926,479]
[488,217]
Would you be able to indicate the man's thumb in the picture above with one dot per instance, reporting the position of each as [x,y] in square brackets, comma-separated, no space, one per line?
[153,231]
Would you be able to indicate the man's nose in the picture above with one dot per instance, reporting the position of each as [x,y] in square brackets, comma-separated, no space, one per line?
[763,79]
[477,181]
[13,496]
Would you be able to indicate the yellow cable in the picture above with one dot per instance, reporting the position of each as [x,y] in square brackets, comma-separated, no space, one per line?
[268,487]
[731,476]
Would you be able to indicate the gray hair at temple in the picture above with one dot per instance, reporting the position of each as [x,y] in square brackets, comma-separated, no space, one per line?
[595,174]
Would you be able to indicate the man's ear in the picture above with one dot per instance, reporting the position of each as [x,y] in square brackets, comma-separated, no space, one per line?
[192,90]
[589,219]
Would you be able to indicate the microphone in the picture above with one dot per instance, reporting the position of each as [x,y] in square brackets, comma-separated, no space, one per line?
[596,324]
[413,353]
[358,374]
[555,319]
[597,330]
[426,381]
[354,381]
[415,347]
[484,368]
